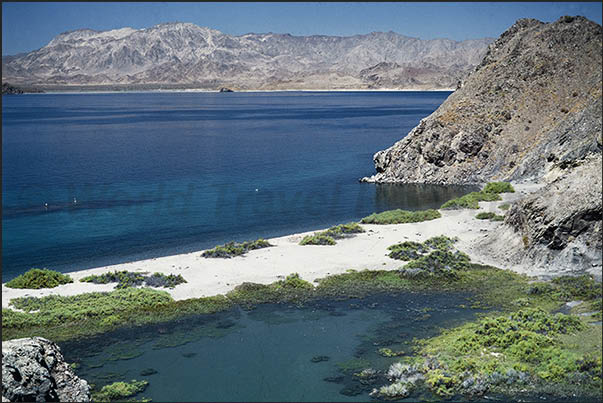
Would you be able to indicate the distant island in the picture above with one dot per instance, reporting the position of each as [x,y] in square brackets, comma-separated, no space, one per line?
[186,56]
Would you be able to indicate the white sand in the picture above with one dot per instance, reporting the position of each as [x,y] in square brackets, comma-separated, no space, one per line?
[212,276]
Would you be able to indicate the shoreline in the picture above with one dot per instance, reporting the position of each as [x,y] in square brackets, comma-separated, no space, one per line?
[198,90]
[216,276]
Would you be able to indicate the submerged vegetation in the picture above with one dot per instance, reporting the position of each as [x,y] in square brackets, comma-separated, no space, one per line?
[232,249]
[401,217]
[117,391]
[39,278]
[329,236]
[125,279]
[490,192]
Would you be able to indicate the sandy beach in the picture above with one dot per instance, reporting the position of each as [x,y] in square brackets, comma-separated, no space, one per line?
[368,250]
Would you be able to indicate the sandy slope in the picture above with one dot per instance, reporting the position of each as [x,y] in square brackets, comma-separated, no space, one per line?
[368,250]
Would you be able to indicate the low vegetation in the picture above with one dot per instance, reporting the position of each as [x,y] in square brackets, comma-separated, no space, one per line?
[490,192]
[504,206]
[401,217]
[470,200]
[489,216]
[126,279]
[329,236]
[232,249]
[498,187]
[39,278]
[117,391]
[410,250]
[525,348]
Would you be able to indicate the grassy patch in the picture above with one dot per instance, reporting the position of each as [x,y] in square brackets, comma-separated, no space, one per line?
[125,279]
[39,278]
[528,346]
[490,192]
[117,391]
[329,236]
[498,187]
[401,217]
[318,239]
[504,206]
[470,200]
[231,249]
[65,317]
[489,216]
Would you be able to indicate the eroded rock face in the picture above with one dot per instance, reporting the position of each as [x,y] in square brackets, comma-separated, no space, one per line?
[557,229]
[33,369]
[531,105]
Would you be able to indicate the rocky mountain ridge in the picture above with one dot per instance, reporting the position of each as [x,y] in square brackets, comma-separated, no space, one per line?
[203,57]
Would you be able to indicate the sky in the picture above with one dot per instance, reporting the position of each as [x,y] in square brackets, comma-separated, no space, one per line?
[30,26]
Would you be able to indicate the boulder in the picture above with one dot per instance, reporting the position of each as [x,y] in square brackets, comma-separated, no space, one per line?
[33,369]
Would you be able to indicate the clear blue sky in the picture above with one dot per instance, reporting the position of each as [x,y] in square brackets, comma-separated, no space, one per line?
[29,26]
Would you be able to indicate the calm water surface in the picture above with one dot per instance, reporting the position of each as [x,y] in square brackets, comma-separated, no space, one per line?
[129,176]
[266,354]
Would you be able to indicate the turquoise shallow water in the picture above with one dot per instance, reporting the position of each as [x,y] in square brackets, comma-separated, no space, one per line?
[154,174]
[266,354]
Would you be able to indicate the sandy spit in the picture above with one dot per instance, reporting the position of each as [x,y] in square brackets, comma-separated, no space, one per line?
[213,276]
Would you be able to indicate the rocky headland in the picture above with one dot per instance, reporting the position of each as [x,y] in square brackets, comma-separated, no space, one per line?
[33,369]
[529,112]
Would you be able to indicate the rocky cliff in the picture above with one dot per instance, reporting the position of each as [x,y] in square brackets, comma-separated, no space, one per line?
[182,53]
[33,369]
[531,111]
[537,91]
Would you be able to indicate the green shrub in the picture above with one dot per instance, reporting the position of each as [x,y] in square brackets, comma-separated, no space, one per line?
[406,250]
[231,249]
[504,206]
[39,278]
[485,216]
[124,279]
[410,250]
[117,391]
[401,217]
[498,187]
[498,218]
[329,236]
[440,242]
[470,200]
[317,239]
[343,230]
[438,263]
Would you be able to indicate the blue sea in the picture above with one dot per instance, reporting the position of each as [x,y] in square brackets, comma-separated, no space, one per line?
[97,179]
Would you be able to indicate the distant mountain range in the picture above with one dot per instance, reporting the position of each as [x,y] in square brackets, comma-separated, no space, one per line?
[198,57]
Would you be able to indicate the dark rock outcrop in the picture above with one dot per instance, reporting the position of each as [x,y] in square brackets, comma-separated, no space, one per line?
[8,89]
[537,90]
[33,369]
[224,89]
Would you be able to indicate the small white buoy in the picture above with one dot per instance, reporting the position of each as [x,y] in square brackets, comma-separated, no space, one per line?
[46,206]
[74,201]
[257,190]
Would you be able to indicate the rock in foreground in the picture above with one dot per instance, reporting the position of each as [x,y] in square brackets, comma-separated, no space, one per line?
[33,369]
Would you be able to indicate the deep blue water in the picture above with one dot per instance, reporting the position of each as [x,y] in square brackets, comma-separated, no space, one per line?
[161,173]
